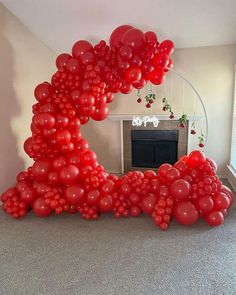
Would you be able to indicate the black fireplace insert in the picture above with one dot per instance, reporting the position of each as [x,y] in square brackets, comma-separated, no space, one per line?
[151,148]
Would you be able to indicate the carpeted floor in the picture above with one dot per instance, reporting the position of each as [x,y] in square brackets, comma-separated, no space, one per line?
[67,255]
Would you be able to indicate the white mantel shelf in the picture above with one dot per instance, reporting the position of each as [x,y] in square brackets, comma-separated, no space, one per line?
[129,117]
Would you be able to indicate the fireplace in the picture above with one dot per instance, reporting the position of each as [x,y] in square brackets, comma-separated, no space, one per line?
[151,148]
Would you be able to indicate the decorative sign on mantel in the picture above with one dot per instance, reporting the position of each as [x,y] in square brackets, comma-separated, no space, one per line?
[139,121]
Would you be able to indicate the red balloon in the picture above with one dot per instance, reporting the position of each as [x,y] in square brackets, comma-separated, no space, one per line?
[108,186]
[160,60]
[105,203]
[100,113]
[134,199]
[139,84]
[28,196]
[43,91]
[172,174]
[62,60]
[87,58]
[69,174]
[63,136]
[75,94]
[186,213]
[59,162]
[74,194]
[163,191]
[61,121]
[126,88]
[133,74]
[228,192]
[86,100]
[135,211]
[40,169]
[196,159]
[212,164]
[166,47]
[148,203]
[117,35]
[40,208]
[53,178]
[162,170]
[92,197]
[73,66]
[125,52]
[46,120]
[150,36]
[28,144]
[215,218]
[169,65]
[181,166]
[133,38]
[222,201]
[180,189]
[125,188]
[206,204]
[80,47]
[157,76]
[88,158]
[149,174]
[123,65]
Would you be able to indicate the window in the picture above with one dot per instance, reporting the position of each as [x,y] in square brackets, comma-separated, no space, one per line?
[233,142]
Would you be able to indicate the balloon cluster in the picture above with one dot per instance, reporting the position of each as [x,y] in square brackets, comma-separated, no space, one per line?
[66,176]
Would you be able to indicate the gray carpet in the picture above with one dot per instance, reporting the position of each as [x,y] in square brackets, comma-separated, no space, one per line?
[67,255]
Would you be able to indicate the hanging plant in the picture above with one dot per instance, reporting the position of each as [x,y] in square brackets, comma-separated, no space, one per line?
[183,120]
[150,98]
[167,107]
[201,139]
[193,129]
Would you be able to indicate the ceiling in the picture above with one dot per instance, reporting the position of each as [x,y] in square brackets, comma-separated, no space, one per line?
[189,23]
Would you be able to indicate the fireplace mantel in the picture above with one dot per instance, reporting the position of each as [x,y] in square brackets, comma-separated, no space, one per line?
[129,117]
[125,118]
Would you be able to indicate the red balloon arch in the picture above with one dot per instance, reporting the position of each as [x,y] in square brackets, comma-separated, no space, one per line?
[66,176]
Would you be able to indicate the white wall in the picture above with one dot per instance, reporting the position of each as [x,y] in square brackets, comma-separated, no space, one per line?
[24,62]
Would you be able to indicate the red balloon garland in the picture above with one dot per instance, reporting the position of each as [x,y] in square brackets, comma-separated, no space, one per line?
[66,176]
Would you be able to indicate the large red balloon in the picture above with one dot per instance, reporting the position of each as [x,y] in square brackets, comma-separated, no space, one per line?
[41,168]
[186,213]
[117,35]
[74,194]
[69,174]
[133,75]
[180,189]
[134,38]
[80,47]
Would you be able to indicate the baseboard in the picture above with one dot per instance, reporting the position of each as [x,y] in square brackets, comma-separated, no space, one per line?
[231,176]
